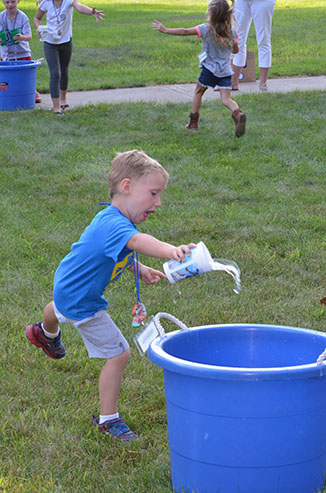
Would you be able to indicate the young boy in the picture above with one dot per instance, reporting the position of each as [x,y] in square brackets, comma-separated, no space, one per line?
[103,252]
[11,19]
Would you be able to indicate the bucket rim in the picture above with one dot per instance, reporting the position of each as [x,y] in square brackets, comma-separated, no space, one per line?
[19,64]
[159,356]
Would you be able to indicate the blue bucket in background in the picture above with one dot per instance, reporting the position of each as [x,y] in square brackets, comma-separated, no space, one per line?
[18,84]
[246,408]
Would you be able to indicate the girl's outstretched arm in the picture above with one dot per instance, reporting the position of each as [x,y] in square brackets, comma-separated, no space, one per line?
[177,31]
[83,9]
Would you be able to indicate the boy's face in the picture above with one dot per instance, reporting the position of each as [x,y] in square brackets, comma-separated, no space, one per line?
[10,5]
[144,196]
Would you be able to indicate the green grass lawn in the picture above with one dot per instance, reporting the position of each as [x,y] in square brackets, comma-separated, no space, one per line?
[123,51]
[258,200]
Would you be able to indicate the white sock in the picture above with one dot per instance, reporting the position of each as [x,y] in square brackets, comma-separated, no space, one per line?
[50,335]
[108,417]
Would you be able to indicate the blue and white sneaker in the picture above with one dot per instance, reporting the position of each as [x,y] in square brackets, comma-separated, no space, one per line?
[117,428]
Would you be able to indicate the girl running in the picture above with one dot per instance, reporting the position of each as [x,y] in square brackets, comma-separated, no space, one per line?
[219,41]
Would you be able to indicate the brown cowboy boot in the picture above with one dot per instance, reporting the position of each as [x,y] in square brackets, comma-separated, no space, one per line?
[240,122]
[193,124]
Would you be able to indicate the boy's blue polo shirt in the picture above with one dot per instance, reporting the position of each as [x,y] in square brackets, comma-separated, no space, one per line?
[97,259]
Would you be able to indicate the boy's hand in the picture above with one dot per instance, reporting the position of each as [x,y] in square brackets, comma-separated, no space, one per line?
[149,275]
[178,253]
[18,37]
[158,26]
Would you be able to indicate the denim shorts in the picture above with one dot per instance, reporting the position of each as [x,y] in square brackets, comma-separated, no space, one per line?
[207,78]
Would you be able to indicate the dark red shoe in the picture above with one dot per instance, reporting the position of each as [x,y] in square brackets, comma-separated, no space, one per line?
[240,122]
[37,97]
[193,122]
[52,347]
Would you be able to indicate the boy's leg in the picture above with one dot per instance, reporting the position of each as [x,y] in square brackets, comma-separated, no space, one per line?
[47,335]
[110,382]
[110,422]
[37,97]
[50,321]
[103,339]
[238,116]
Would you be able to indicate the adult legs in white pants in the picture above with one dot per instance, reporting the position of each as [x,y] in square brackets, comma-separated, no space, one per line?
[261,13]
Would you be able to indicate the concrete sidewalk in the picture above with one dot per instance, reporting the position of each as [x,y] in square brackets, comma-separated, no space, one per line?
[180,93]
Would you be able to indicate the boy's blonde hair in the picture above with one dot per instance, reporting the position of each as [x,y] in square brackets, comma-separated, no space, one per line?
[132,164]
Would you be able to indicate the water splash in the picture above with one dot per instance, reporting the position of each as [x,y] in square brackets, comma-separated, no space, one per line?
[177,293]
[231,268]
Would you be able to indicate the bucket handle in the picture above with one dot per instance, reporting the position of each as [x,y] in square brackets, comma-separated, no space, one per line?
[152,330]
[160,315]
[321,358]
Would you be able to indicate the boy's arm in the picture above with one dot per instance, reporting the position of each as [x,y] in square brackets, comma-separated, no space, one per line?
[147,274]
[177,31]
[22,37]
[150,246]
[25,33]
[83,9]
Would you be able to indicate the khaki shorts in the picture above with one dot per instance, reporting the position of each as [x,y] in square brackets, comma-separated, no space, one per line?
[101,336]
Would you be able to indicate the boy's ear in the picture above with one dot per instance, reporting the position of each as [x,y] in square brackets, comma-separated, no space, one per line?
[125,185]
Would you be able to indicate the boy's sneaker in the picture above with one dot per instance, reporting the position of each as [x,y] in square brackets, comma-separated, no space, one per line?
[117,428]
[52,347]
[37,97]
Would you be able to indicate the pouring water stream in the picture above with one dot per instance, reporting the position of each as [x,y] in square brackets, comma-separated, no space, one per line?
[231,268]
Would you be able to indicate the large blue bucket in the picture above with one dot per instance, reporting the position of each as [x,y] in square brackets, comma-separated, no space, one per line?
[246,408]
[18,84]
